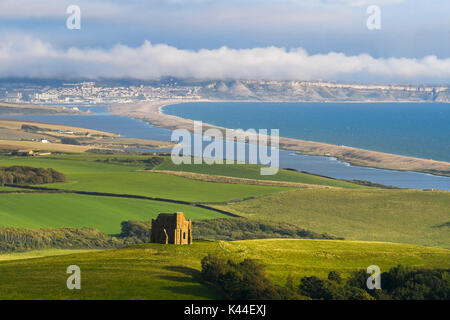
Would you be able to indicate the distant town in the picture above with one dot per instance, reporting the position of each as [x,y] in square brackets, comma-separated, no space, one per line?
[58,92]
[90,93]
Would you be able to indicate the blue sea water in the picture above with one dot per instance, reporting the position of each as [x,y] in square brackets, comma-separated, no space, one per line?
[101,119]
[411,129]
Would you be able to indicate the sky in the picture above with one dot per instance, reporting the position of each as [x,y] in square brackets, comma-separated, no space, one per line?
[228,39]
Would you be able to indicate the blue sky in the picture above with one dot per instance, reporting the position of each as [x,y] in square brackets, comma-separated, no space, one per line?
[410,29]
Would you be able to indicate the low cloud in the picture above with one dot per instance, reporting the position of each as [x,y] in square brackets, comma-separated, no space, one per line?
[24,56]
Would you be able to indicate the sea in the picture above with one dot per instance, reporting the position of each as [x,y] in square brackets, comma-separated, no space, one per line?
[101,119]
[411,129]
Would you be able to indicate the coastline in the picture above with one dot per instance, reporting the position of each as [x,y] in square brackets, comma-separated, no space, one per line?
[152,112]
[13,137]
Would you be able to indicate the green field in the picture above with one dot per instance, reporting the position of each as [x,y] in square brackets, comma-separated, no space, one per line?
[93,176]
[251,171]
[41,253]
[156,271]
[3,188]
[72,210]
[405,216]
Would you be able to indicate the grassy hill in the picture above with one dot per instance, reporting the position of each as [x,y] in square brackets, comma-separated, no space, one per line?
[41,210]
[360,213]
[171,272]
[252,171]
[41,253]
[8,189]
[405,216]
[88,175]
[156,271]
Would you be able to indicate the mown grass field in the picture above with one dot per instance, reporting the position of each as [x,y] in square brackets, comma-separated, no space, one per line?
[251,171]
[83,175]
[405,216]
[42,210]
[156,271]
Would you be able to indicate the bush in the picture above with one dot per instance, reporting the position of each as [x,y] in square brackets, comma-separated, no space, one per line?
[149,163]
[354,293]
[404,283]
[30,128]
[213,267]
[247,229]
[245,280]
[335,276]
[315,288]
[137,229]
[70,141]
[20,239]
[399,283]
[228,229]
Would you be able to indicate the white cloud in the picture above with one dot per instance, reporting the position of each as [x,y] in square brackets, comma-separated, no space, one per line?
[25,56]
[359,3]
[105,8]
[186,13]
[20,9]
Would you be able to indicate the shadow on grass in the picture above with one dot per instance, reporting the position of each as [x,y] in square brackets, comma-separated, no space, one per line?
[188,274]
[189,277]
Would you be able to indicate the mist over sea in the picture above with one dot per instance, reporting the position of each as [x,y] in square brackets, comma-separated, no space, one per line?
[411,129]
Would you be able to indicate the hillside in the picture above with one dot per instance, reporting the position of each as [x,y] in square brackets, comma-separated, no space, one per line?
[129,177]
[346,210]
[319,91]
[405,216]
[252,171]
[18,134]
[156,271]
[54,210]
[127,189]
[31,109]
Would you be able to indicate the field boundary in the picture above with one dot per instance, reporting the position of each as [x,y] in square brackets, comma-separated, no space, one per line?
[237,180]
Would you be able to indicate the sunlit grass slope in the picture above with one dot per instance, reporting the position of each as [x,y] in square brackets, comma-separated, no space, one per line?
[406,216]
[41,210]
[87,175]
[251,171]
[41,253]
[156,271]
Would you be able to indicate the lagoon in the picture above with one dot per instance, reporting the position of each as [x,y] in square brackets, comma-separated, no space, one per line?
[100,119]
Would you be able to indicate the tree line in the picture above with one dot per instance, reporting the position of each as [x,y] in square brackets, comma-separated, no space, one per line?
[21,239]
[136,232]
[248,280]
[22,175]
[149,163]
[229,229]
[24,239]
